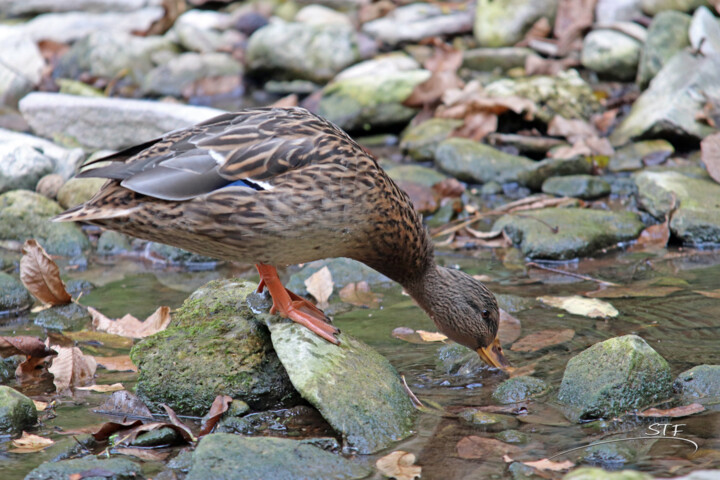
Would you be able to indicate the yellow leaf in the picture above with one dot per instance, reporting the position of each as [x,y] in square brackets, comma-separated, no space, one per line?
[320,286]
[399,465]
[129,326]
[28,443]
[588,307]
[546,464]
[431,336]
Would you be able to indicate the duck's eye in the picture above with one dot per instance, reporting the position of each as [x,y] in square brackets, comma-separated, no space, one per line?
[485,314]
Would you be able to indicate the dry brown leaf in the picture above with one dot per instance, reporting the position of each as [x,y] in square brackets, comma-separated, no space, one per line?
[287,101]
[120,363]
[474,447]
[710,155]
[477,126]
[71,368]
[210,86]
[419,337]
[125,404]
[577,305]
[29,443]
[360,295]
[654,236]
[32,368]
[24,345]
[41,275]
[709,293]
[546,464]
[573,18]
[399,465]
[142,453]
[129,326]
[540,29]
[605,120]
[431,90]
[683,411]
[183,429]
[544,338]
[536,65]
[219,406]
[115,387]
[448,188]
[320,286]
[572,129]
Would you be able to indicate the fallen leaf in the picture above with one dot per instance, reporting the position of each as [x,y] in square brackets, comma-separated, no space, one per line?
[41,275]
[129,326]
[185,430]
[421,196]
[710,155]
[540,29]
[573,19]
[71,368]
[40,406]
[115,387]
[474,447]
[546,464]
[29,443]
[320,286]
[683,411]
[709,293]
[419,337]
[448,188]
[142,453]
[219,406]
[24,345]
[125,404]
[431,336]
[120,363]
[573,129]
[32,368]
[109,428]
[360,295]
[654,236]
[399,465]
[542,339]
[577,305]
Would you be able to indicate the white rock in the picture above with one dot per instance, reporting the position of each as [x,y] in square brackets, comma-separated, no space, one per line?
[705,32]
[112,123]
[417,21]
[21,65]
[23,7]
[320,15]
[66,160]
[607,11]
[204,19]
[21,166]
[380,65]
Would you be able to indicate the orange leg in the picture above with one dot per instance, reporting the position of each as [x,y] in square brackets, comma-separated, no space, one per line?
[293,306]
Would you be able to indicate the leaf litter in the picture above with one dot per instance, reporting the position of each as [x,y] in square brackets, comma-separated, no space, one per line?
[129,326]
[41,275]
[71,369]
[29,443]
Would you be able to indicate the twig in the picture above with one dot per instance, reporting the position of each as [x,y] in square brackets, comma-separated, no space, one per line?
[415,400]
[570,274]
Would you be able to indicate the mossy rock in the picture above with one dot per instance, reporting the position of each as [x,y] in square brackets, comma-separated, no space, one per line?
[215,345]
[111,468]
[519,389]
[419,142]
[72,316]
[17,412]
[472,161]
[78,190]
[14,297]
[702,381]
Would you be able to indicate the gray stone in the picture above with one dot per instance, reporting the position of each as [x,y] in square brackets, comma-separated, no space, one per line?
[21,65]
[666,36]
[17,412]
[25,214]
[49,185]
[699,382]
[22,166]
[226,456]
[72,316]
[113,243]
[420,141]
[580,232]
[489,422]
[67,27]
[587,187]
[596,473]
[204,31]
[611,54]
[472,161]
[215,345]
[696,220]
[302,51]
[24,7]
[613,377]
[607,11]
[668,108]
[415,174]
[179,74]
[630,157]
[504,23]
[454,359]
[375,101]
[65,160]
[519,389]
[489,59]
[392,62]
[704,32]
[539,172]
[412,23]
[653,7]
[355,388]
[514,437]
[565,94]
[13,295]
[109,54]
[78,190]
[155,438]
[111,468]
[110,123]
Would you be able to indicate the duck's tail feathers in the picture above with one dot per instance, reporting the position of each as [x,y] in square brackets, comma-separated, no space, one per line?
[88,213]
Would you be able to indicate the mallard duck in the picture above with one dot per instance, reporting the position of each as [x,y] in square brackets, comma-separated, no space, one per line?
[276,186]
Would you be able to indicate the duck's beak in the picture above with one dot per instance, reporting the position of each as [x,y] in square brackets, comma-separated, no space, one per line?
[493,355]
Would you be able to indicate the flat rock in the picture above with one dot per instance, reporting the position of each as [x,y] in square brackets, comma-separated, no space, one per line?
[215,345]
[668,108]
[420,142]
[372,101]
[519,389]
[702,381]
[472,161]
[504,23]
[106,123]
[412,23]
[22,166]
[355,389]
[580,232]
[17,412]
[696,221]
[302,51]
[613,377]
[111,468]
[587,187]
[611,54]
[666,36]
[535,176]
[225,456]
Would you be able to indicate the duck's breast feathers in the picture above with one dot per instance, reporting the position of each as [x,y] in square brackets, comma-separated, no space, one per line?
[249,148]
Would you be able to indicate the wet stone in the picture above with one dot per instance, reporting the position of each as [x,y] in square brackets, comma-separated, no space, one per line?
[22,166]
[514,437]
[412,23]
[178,256]
[699,382]
[587,187]
[611,456]
[519,389]
[112,468]
[454,359]
[489,422]
[342,270]
[177,76]
[17,412]
[415,174]
[299,421]
[161,436]
[614,377]
[489,59]
[420,142]
[222,456]
[64,317]
[14,297]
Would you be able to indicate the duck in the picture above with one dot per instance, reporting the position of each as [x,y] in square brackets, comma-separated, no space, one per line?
[283,186]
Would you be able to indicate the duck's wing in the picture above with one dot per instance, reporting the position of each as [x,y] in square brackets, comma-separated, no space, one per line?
[248,148]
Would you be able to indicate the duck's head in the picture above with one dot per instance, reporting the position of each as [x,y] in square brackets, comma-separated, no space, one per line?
[464,310]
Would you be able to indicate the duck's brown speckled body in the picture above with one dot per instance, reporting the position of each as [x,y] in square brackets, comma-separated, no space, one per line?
[283,186]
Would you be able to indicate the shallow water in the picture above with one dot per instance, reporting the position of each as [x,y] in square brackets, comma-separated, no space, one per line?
[683,327]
